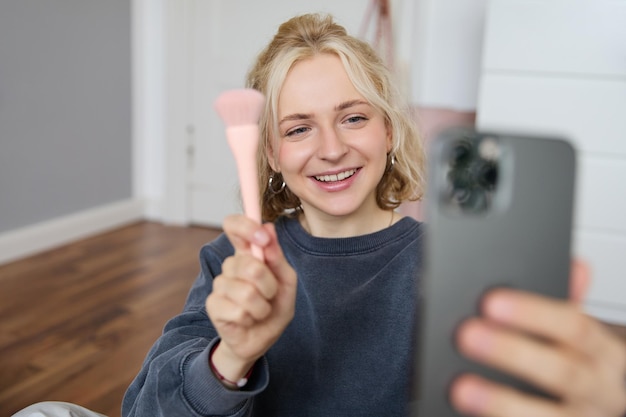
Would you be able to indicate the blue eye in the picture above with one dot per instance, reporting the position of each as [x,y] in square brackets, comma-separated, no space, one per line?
[296,131]
[355,119]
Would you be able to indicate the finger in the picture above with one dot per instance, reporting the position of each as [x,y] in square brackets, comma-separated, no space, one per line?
[244,266]
[560,372]
[244,295]
[244,233]
[579,281]
[559,322]
[223,311]
[556,320]
[276,261]
[475,396]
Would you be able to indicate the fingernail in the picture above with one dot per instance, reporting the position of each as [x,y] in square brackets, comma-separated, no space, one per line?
[499,306]
[479,339]
[471,396]
[261,238]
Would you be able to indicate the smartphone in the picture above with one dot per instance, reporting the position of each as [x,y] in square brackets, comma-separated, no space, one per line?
[499,212]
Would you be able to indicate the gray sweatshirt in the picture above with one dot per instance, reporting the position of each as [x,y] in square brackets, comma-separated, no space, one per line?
[347,352]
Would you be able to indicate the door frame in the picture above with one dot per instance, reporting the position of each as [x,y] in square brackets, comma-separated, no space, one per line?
[161,107]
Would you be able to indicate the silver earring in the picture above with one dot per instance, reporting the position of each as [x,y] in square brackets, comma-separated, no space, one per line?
[392,162]
[272,187]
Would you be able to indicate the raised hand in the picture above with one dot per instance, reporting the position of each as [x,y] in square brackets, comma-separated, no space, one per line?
[252,301]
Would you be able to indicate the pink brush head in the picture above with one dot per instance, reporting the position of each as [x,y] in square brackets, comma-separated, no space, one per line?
[240,107]
[240,110]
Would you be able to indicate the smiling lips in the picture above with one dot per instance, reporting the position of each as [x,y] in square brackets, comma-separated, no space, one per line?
[335,177]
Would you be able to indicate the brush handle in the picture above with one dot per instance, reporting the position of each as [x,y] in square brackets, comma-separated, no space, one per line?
[244,142]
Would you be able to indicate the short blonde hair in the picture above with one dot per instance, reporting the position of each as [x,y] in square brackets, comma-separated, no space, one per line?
[303,37]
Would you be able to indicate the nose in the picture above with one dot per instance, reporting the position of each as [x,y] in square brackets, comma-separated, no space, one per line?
[331,145]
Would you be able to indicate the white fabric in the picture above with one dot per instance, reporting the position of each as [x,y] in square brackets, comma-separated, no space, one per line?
[56,409]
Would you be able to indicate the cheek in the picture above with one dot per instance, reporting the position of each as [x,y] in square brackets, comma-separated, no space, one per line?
[292,157]
[381,147]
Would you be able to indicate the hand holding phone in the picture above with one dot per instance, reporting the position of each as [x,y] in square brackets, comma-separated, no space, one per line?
[499,214]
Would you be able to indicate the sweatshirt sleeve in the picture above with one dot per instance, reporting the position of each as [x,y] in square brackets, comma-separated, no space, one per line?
[175,378]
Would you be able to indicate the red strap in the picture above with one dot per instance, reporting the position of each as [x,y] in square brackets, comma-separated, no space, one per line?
[240,383]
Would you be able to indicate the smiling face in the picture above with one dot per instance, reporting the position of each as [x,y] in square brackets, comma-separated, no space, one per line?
[331,148]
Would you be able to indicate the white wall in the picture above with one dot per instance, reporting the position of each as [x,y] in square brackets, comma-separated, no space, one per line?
[446,55]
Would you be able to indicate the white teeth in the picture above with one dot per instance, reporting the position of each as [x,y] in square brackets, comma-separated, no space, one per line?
[336,177]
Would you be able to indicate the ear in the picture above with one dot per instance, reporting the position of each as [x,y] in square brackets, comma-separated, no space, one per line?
[272,157]
[389,138]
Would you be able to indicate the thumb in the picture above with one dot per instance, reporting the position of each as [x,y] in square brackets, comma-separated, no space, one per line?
[275,258]
[580,279]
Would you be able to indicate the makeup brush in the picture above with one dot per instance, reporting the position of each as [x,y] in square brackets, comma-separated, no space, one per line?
[240,110]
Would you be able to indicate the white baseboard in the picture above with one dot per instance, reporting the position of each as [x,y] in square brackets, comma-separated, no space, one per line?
[153,209]
[26,241]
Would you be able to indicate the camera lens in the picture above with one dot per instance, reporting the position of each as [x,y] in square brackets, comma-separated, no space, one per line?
[461,195]
[461,153]
[462,184]
[487,175]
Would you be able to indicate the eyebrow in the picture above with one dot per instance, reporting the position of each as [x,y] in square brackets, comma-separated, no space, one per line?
[349,103]
[339,107]
[295,116]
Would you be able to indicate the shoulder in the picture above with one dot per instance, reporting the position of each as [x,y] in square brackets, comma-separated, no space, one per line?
[220,247]
[407,241]
[408,228]
[213,254]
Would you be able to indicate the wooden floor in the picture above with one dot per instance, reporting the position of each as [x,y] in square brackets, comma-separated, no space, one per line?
[77,322]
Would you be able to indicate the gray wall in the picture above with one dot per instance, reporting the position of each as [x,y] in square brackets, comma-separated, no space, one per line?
[65,107]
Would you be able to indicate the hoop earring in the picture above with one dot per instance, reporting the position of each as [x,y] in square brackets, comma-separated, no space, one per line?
[392,162]
[272,187]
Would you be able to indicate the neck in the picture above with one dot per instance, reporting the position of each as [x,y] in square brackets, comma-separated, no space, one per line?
[347,226]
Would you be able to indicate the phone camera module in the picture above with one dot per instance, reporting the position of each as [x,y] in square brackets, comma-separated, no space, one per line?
[472,174]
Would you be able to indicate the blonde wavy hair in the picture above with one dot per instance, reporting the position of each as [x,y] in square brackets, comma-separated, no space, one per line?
[303,37]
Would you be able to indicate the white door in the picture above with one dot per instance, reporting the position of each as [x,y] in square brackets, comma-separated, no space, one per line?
[225,36]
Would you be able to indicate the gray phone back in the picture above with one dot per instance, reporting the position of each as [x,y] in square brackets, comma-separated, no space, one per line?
[499,213]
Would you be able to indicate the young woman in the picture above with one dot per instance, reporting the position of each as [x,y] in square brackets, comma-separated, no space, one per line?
[323,327]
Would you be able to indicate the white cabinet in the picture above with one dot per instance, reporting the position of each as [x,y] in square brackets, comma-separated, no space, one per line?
[560,67]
